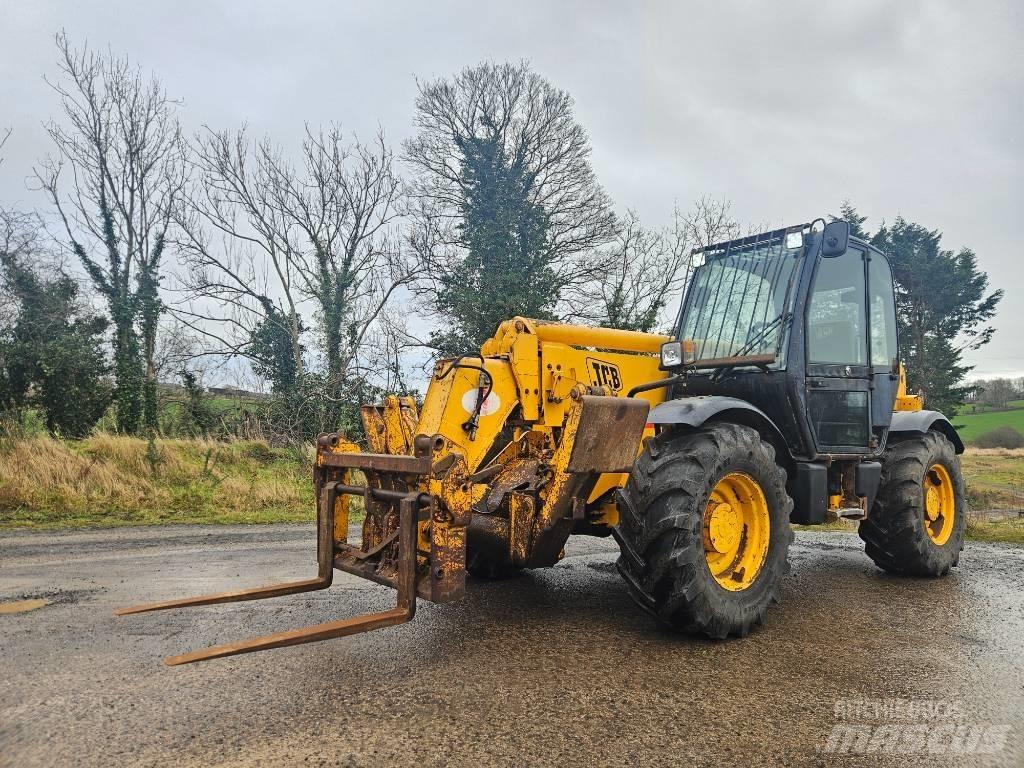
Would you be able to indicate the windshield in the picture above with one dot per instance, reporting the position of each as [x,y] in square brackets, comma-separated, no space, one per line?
[738,304]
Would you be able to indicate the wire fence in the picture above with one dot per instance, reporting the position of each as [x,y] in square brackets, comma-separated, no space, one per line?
[1007,504]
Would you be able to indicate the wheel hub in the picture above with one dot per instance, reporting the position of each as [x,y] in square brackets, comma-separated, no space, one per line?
[736,531]
[939,504]
[932,503]
[723,528]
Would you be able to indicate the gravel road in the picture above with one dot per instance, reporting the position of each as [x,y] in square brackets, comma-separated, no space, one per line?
[554,668]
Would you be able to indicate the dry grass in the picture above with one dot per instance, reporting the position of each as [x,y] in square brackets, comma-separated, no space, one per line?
[995,478]
[117,480]
[1011,452]
[1007,531]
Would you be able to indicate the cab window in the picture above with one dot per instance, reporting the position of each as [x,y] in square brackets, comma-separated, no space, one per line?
[836,317]
[883,313]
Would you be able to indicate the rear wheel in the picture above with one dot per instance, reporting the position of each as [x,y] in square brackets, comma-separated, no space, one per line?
[704,529]
[917,523]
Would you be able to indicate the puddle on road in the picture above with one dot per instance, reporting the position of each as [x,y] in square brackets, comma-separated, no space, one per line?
[21,606]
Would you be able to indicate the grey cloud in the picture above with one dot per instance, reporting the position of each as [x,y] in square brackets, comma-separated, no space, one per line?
[786,108]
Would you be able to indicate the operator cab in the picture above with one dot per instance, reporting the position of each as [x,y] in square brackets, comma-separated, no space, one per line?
[793,332]
[802,316]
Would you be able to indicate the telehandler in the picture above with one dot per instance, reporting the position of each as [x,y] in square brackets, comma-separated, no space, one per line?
[778,399]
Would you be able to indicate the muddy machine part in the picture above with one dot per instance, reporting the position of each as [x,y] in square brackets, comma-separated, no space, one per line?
[509,455]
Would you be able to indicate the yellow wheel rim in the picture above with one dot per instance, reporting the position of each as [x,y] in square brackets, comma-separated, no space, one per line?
[736,531]
[939,504]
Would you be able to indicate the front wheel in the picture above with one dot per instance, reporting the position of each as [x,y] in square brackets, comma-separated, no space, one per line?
[704,529]
[916,526]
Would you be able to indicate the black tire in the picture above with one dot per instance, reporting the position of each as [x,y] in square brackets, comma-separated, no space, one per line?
[661,529]
[894,533]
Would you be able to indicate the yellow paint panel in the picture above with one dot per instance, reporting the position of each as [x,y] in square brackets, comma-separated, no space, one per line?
[449,403]
[904,400]
[526,367]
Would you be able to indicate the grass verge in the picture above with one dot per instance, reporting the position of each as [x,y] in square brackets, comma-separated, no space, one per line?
[109,480]
[1009,531]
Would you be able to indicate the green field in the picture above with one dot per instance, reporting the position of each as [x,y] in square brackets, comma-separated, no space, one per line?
[970,425]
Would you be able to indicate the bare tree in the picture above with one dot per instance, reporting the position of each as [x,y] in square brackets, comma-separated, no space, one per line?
[264,238]
[711,221]
[646,271]
[117,172]
[237,251]
[509,209]
[996,393]
[344,206]
[177,347]
[19,233]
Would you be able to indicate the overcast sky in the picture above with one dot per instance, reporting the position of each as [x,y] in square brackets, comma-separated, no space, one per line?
[785,108]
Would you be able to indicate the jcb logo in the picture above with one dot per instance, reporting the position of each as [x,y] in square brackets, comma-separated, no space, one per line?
[604,374]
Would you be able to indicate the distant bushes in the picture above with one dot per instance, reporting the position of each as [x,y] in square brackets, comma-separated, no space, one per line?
[52,359]
[1000,437]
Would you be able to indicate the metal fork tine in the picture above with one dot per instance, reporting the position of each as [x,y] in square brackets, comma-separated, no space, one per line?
[401,613]
[325,572]
[273,590]
[315,633]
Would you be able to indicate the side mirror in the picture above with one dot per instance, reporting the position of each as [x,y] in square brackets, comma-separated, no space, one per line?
[835,238]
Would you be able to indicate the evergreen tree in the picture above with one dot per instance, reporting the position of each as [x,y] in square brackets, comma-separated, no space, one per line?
[52,357]
[944,309]
[272,350]
[849,214]
[505,272]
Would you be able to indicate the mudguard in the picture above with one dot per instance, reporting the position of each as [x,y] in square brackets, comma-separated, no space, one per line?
[695,411]
[923,421]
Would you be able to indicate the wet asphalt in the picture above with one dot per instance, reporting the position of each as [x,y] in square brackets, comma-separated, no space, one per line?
[557,667]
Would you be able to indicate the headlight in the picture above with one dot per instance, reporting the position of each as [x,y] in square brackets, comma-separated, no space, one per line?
[676,353]
[671,354]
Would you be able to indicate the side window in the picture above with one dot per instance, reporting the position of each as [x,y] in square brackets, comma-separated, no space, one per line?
[836,328]
[883,312]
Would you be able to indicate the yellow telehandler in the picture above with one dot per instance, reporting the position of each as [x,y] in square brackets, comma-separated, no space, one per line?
[778,399]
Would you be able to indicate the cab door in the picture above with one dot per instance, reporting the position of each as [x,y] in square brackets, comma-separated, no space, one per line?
[839,373]
[882,344]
